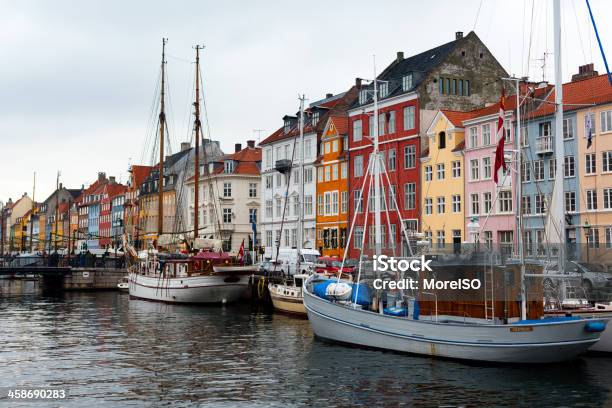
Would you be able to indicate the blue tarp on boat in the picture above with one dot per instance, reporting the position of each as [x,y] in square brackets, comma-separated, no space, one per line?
[361,296]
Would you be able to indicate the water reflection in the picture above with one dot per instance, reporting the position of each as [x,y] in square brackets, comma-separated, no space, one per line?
[109,350]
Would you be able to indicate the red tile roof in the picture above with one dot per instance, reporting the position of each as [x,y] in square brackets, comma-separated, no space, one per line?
[139,173]
[457,118]
[340,123]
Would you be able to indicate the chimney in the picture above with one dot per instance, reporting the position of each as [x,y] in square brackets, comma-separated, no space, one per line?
[185,146]
[101,176]
[400,56]
[458,35]
[251,144]
[111,179]
[584,72]
[61,186]
[237,147]
[358,83]
[328,95]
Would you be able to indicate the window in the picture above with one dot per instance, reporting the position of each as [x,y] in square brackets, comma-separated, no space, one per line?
[381,124]
[252,190]
[363,96]
[428,206]
[607,198]
[307,149]
[568,128]
[391,158]
[505,201]
[287,232]
[441,205]
[315,118]
[538,170]
[456,203]
[308,204]
[409,196]
[227,189]
[456,169]
[606,161]
[524,136]
[371,126]
[358,237]
[606,121]
[608,232]
[357,201]
[358,166]
[334,171]
[525,171]
[539,204]
[474,169]
[391,124]
[486,197]
[296,205]
[344,170]
[278,207]
[474,136]
[440,238]
[308,175]
[428,173]
[406,82]
[327,173]
[590,163]
[526,205]
[383,89]
[278,180]
[228,166]
[327,146]
[253,215]
[268,182]
[334,145]
[320,207]
[475,204]
[569,169]
[344,202]
[409,157]
[335,203]
[442,140]
[227,215]
[570,201]
[589,125]
[486,168]
[552,168]
[392,197]
[268,158]
[486,134]
[409,117]
[593,238]
[545,129]
[320,175]
[507,132]
[440,171]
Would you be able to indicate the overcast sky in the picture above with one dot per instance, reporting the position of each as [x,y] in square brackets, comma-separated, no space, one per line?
[77,78]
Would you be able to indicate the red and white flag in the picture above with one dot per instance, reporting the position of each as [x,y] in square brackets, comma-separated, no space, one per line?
[241,251]
[499,151]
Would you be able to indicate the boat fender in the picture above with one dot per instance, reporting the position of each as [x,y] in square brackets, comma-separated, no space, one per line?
[595,327]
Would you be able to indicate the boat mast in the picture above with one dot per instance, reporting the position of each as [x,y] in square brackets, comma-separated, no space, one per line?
[162,126]
[519,199]
[56,208]
[196,104]
[300,242]
[32,214]
[376,170]
[558,216]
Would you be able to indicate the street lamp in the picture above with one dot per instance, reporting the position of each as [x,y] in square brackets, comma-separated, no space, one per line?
[587,229]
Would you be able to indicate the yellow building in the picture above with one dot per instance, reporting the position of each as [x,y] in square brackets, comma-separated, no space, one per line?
[442,180]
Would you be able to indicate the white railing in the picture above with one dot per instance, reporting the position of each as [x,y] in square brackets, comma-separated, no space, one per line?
[544,144]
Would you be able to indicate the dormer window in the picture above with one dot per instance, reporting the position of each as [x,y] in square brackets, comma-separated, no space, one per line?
[229,166]
[287,126]
[211,167]
[363,96]
[407,82]
[384,89]
[315,118]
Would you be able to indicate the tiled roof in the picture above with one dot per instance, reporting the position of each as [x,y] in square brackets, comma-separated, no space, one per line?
[247,163]
[578,94]
[341,124]
[139,173]
[457,118]
[459,147]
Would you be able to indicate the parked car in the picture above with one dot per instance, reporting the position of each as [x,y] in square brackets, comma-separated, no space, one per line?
[332,264]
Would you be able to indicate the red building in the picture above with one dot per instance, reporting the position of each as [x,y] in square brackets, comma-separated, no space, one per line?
[110,191]
[460,75]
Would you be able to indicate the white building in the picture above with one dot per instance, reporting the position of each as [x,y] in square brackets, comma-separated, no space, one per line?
[229,198]
[280,192]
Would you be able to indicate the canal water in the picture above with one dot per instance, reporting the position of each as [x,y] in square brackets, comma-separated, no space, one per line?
[108,350]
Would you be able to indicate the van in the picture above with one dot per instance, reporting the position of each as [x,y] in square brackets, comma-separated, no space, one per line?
[288,260]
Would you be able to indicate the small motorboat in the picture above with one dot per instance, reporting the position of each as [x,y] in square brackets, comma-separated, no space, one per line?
[124,284]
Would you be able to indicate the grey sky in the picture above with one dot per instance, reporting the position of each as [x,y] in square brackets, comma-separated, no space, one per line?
[77,78]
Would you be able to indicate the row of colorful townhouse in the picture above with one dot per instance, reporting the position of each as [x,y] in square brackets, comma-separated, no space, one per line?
[438,114]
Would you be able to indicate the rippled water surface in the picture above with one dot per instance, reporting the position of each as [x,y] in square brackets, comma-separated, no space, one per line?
[109,350]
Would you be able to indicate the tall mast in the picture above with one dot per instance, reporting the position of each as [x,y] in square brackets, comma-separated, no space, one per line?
[162,127]
[56,207]
[196,104]
[300,242]
[32,213]
[376,170]
[558,215]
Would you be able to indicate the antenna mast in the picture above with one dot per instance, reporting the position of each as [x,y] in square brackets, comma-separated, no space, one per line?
[162,126]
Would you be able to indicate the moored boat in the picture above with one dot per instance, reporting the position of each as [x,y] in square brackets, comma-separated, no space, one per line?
[288,296]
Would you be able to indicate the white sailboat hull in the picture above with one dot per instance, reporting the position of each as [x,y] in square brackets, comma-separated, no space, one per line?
[537,343]
[195,289]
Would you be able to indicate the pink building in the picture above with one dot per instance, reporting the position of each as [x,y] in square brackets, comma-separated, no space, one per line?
[490,209]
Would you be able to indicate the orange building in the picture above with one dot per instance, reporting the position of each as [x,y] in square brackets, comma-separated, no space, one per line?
[332,188]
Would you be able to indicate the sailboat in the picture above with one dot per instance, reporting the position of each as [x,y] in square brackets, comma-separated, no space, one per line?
[208,276]
[361,318]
